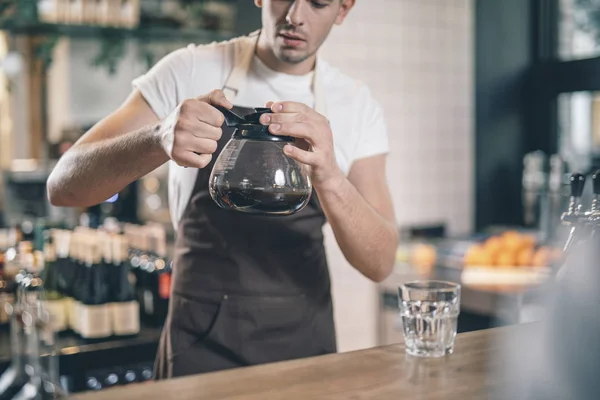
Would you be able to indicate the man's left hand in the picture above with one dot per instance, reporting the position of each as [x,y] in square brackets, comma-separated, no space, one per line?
[304,123]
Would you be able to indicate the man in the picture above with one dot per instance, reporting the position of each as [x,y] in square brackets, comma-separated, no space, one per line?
[249,289]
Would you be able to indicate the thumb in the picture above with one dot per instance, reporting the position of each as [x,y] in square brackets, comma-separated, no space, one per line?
[216,98]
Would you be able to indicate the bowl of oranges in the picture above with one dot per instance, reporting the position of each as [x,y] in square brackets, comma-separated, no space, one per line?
[511,259]
[511,250]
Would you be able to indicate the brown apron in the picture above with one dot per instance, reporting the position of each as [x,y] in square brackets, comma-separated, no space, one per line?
[247,289]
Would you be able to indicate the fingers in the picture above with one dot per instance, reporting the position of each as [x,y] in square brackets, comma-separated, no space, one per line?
[206,107]
[282,118]
[200,146]
[216,98]
[297,130]
[290,107]
[191,159]
[198,110]
[191,151]
[302,156]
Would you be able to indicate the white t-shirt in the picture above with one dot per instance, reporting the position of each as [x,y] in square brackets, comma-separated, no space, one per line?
[357,121]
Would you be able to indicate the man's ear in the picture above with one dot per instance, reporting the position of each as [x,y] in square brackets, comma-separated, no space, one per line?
[258,3]
[345,8]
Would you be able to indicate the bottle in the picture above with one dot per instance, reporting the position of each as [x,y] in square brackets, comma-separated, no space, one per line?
[12,259]
[82,242]
[15,377]
[75,14]
[93,310]
[129,13]
[134,253]
[140,265]
[65,270]
[5,293]
[55,301]
[40,350]
[125,310]
[48,10]
[161,275]
[89,11]
[76,271]
[16,381]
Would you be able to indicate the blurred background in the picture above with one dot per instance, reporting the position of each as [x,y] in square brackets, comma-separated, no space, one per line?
[491,106]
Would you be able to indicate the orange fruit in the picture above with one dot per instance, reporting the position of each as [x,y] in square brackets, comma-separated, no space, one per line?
[473,255]
[487,258]
[525,257]
[506,259]
[511,240]
[528,240]
[424,256]
[493,245]
[541,257]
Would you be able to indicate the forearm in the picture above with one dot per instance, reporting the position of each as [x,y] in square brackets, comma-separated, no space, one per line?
[91,172]
[367,239]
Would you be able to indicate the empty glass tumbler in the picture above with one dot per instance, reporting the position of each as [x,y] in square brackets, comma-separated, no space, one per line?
[429,312]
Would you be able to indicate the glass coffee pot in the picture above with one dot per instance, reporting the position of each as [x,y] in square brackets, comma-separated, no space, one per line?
[253,174]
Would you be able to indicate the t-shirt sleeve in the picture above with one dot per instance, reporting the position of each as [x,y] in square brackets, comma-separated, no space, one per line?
[164,85]
[373,135]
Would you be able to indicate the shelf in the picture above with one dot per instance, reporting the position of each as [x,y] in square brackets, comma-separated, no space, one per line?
[89,31]
[78,355]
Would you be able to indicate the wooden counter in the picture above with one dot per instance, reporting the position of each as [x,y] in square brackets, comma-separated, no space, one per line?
[379,373]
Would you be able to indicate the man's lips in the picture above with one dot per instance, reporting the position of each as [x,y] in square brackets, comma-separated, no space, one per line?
[292,40]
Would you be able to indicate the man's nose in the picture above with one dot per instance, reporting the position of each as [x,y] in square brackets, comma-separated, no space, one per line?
[296,13]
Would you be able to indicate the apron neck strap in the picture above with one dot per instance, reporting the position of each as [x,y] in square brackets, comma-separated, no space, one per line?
[244,52]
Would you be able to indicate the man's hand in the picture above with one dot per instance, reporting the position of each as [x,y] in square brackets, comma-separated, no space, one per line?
[189,135]
[316,140]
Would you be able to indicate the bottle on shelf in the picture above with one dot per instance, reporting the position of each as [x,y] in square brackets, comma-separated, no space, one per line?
[161,275]
[65,271]
[93,310]
[55,300]
[125,309]
[129,15]
[104,10]
[12,259]
[76,272]
[38,343]
[144,263]
[6,295]
[74,14]
[49,10]
[89,12]
[152,270]
[15,377]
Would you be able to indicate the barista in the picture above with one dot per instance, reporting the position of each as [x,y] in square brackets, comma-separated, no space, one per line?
[249,289]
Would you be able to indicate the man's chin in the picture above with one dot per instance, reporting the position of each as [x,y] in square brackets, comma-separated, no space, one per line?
[291,56]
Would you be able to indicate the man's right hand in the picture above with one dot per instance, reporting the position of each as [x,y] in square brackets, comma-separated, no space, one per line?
[189,135]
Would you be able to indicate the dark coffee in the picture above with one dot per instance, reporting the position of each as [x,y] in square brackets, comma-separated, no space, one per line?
[260,200]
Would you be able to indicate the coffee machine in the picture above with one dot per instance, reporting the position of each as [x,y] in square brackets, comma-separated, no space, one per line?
[584,224]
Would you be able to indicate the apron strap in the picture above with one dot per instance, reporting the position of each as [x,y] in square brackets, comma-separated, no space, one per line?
[318,91]
[244,52]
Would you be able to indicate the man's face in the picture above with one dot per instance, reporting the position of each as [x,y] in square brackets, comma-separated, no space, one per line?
[295,29]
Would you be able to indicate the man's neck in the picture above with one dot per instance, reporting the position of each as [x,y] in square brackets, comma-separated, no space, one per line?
[266,55]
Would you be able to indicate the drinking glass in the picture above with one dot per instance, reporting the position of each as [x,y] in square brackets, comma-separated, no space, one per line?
[429,311]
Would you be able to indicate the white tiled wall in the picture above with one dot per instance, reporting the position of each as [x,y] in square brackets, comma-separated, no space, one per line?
[416,56]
